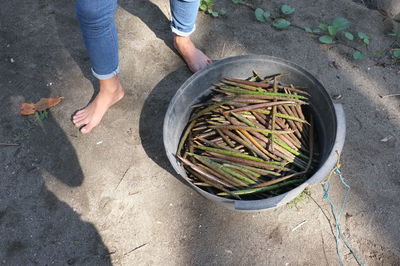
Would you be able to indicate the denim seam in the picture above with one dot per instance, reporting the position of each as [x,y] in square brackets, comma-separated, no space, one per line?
[182,33]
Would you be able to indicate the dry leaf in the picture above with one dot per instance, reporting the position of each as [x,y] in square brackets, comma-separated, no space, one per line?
[41,105]
[27,108]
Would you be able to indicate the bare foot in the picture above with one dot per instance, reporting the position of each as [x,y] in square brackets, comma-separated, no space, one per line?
[111,92]
[194,58]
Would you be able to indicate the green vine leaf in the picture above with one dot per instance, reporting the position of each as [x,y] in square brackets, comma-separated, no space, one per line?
[287,10]
[395,33]
[332,30]
[396,53]
[326,39]
[281,23]
[323,27]
[308,29]
[340,23]
[203,7]
[348,35]
[357,55]
[259,13]
[214,13]
[364,37]
[267,15]
[316,31]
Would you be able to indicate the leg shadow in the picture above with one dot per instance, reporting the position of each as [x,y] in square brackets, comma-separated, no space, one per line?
[36,228]
[153,17]
[152,117]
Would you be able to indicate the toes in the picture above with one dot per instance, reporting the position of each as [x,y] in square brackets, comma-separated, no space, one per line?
[80,112]
[86,129]
[78,116]
[81,122]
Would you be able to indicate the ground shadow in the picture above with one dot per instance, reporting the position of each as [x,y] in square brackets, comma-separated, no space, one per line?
[36,228]
[153,17]
[152,117]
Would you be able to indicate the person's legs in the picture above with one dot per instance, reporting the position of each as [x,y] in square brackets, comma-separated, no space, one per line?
[184,14]
[96,19]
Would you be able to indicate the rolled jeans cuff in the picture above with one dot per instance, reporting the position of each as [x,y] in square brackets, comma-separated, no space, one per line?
[106,76]
[182,33]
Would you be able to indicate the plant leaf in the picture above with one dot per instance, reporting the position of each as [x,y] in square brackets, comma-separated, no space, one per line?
[362,35]
[41,105]
[358,55]
[340,23]
[349,36]
[396,53]
[395,33]
[287,10]
[267,15]
[323,27]
[366,41]
[203,7]
[281,23]
[332,30]
[222,12]
[316,31]
[326,39]
[259,13]
[308,29]
[214,13]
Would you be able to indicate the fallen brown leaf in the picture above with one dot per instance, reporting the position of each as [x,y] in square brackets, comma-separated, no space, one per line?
[41,105]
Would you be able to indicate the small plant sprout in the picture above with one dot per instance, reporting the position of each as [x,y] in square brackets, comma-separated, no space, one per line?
[348,35]
[396,53]
[357,55]
[287,10]
[330,31]
[207,7]
[363,37]
[395,33]
[281,23]
[262,15]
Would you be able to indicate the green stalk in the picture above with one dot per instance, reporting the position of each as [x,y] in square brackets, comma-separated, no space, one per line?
[265,131]
[277,94]
[228,177]
[239,176]
[206,110]
[243,86]
[238,155]
[289,149]
[243,169]
[280,115]
[243,119]
[262,189]
[184,137]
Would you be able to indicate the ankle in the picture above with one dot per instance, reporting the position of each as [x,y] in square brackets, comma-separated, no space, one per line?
[181,40]
[111,85]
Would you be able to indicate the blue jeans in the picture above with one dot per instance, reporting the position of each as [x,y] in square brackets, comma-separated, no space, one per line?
[96,19]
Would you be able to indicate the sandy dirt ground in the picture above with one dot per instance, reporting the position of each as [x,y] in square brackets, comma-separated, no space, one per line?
[112,198]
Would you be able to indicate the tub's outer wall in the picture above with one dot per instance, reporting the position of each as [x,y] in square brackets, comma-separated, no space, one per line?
[170,141]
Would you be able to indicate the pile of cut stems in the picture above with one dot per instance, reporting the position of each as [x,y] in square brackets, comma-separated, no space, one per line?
[251,139]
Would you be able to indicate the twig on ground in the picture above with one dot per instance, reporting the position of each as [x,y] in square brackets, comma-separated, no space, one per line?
[9,144]
[123,176]
[136,248]
[389,95]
